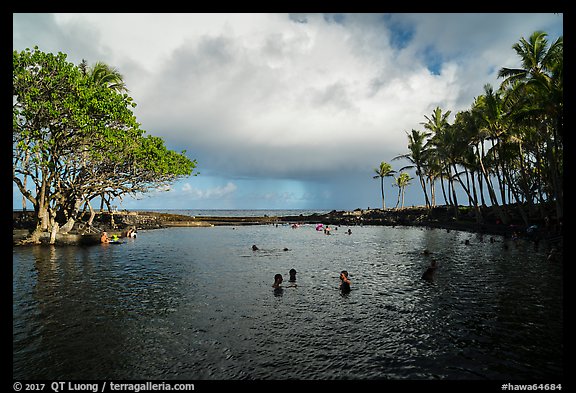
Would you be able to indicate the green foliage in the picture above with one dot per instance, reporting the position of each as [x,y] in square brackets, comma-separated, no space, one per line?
[510,143]
[384,170]
[76,137]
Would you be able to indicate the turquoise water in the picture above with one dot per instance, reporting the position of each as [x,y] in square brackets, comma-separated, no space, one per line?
[197,303]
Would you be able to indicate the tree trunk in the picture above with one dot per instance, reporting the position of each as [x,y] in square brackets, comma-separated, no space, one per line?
[443,189]
[71,217]
[53,232]
[68,226]
[479,218]
[423,184]
[499,211]
[35,235]
[382,189]
[92,214]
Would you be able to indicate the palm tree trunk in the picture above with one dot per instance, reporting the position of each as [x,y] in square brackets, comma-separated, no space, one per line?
[454,197]
[499,173]
[382,189]
[450,200]
[499,211]
[443,189]
[423,184]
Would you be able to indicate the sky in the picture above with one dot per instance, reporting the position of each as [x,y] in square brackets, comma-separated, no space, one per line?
[288,111]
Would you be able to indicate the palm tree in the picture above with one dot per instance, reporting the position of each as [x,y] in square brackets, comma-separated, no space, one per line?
[418,157]
[439,165]
[384,170]
[486,122]
[538,60]
[401,182]
[535,92]
[104,75]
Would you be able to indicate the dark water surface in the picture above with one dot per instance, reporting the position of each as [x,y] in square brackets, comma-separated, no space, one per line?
[197,303]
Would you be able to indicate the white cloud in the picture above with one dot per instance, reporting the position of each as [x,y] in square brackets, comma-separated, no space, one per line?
[265,96]
[293,94]
[189,191]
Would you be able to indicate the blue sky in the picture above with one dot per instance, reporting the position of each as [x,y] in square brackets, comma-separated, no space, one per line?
[288,110]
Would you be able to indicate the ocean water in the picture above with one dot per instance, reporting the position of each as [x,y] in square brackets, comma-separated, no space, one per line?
[240,213]
[198,304]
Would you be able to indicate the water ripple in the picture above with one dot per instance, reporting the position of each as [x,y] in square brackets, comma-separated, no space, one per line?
[197,303]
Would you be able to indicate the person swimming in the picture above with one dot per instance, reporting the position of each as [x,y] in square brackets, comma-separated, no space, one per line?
[292,273]
[277,281]
[344,281]
[131,232]
[428,275]
[254,247]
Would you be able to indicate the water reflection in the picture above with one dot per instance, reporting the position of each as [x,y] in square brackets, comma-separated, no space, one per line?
[195,303]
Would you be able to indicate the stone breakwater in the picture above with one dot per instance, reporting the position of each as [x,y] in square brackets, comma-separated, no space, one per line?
[414,216]
[119,222]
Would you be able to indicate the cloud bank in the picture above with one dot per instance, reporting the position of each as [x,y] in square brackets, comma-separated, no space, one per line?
[314,100]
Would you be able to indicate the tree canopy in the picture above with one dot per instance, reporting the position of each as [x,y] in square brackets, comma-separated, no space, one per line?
[76,138]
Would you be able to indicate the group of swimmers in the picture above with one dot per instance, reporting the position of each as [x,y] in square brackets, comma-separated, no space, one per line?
[327,229]
[428,275]
[278,279]
[104,238]
[255,248]
[345,282]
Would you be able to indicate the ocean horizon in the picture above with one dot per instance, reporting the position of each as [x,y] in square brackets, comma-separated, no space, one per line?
[237,212]
[226,212]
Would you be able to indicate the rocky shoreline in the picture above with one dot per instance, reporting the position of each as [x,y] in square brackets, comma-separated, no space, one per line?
[437,217]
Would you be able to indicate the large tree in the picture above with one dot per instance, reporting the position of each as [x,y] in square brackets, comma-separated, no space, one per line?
[76,139]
